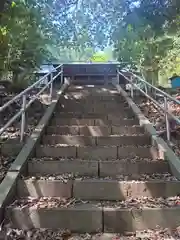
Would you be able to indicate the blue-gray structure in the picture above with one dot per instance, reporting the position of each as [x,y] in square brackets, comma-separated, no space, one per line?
[175,82]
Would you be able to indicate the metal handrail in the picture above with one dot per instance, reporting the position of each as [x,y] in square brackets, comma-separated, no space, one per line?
[26,105]
[155,88]
[27,89]
[164,95]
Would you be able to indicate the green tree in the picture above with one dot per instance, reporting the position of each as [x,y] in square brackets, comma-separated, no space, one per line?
[142,37]
[99,57]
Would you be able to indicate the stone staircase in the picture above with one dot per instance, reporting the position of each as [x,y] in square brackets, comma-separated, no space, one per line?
[94,171]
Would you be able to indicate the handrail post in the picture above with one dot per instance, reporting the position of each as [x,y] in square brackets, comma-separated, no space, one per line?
[132,87]
[167,119]
[61,74]
[146,89]
[51,86]
[23,117]
[118,77]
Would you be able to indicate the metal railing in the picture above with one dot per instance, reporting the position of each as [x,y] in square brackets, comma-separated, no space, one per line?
[134,80]
[25,105]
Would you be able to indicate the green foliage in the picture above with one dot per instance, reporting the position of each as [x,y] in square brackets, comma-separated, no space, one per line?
[147,36]
[33,32]
[21,40]
[144,34]
[99,57]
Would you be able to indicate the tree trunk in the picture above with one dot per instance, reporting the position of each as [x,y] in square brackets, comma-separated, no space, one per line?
[151,76]
[2,6]
[155,77]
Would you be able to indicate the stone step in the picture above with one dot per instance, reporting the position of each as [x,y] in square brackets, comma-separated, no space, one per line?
[90,97]
[94,168]
[172,234]
[96,173]
[89,115]
[93,122]
[115,217]
[56,213]
[114,190]
[95,131]
[67,186]
[97,109]
[97,96]
[130,217]
[60,166]
[112,140]
[84,95]
[92,101]
[94,91]
[93,152]
[67,103]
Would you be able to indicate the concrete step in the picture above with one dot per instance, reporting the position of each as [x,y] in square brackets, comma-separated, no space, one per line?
[115,217]
[108,189]
[60,166]
[112,140]
[114,190]
[89,115]
[56,234]
[93,122]
[92,107]
[45,166]
[97,109]
[86,97]
[93,152]
[92,101]
[97,173]
[140,214]
[56,212]
[95,131]
[91,104]
[103,90]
